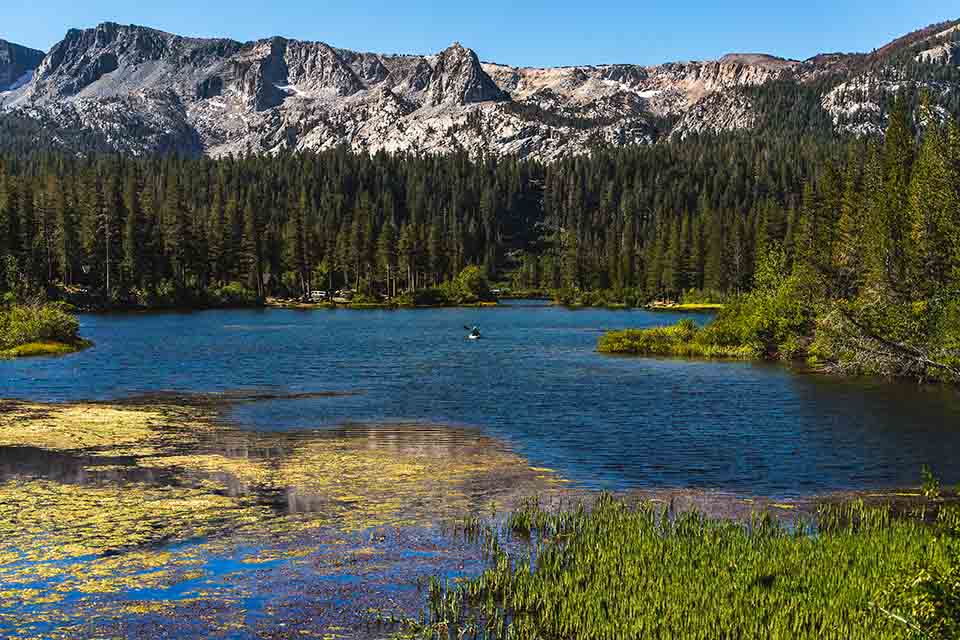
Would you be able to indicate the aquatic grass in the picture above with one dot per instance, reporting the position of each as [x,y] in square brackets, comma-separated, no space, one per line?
[615,571]
[101,430]
[359,480]
[684,339]
[931,484]
[78,427]
[41,520]
[45,348]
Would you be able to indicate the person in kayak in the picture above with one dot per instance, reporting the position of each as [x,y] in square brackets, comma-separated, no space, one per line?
[474,333]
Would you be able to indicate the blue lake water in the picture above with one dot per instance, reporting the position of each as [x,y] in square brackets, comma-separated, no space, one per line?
[535,382]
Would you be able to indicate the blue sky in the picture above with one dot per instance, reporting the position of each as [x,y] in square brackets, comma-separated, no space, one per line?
[518,32]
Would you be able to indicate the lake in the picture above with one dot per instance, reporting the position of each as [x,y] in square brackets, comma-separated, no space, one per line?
[534,383]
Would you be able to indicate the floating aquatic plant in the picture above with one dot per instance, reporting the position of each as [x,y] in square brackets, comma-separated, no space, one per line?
[161,488]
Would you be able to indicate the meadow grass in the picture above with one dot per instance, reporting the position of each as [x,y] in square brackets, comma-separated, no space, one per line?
[615,571]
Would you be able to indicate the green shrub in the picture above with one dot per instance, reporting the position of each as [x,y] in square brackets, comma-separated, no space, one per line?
[610,298]
[36,323]
[233,294]
[775,320]
[470,287]
[435,297]
[684,339]
[879,333]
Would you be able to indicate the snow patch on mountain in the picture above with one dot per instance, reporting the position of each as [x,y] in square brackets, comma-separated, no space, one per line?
[22,81]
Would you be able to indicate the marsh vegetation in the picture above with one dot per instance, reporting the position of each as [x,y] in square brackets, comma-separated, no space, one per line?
[613,571]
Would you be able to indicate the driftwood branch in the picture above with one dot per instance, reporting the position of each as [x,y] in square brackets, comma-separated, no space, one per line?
[896,349]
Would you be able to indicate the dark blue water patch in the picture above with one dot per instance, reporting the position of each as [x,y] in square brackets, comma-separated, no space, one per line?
[536,382]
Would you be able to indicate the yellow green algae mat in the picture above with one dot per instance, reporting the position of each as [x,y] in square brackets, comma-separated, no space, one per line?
[157,519]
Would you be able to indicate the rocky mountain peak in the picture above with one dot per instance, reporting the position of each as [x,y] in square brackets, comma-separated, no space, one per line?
[113,60]
[459,79]
[17,65]
[146,91]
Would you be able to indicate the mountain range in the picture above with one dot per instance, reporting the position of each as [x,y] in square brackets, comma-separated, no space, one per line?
[137,90]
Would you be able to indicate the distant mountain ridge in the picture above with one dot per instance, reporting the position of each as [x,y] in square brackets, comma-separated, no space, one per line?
[143,91]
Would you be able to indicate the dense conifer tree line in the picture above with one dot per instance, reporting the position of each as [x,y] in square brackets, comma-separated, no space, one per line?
[654,221]
[278,225]
[639,224]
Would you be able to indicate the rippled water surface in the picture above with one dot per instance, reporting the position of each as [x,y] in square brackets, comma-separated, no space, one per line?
[535,382]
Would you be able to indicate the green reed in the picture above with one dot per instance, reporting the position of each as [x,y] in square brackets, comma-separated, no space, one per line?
[614,572]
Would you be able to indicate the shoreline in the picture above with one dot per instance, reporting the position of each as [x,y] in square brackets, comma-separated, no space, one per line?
[686,308]
[373,306]
[274,303]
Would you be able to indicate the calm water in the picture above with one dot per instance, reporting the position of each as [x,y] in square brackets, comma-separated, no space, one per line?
[535,382]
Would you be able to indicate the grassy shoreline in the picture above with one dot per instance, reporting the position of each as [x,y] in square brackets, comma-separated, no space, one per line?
[684,340]
[45,348]
[375,306]
[616,571]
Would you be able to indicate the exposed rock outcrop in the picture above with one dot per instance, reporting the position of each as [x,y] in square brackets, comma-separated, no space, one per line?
[17,65]
[146,91]
[458,79]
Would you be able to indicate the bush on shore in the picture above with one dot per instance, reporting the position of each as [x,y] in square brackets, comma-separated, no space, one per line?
[469,288]
[166,295]
[774,321]
[684,339]
[38,328]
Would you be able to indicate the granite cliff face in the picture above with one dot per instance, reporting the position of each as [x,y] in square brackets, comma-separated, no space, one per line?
[17,65]
[146,91]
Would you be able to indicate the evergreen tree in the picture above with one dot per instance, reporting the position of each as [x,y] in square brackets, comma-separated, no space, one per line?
[387,257]
[134,242]
[251,257]
[933,203]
